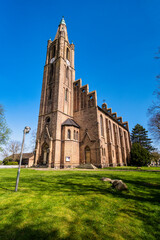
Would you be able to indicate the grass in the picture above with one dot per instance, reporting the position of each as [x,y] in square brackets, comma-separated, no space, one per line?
[77,205]
[134,168]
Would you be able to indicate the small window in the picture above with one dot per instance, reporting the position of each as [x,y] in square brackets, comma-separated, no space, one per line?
[91,97]
[104,152]
[69,134]
[83,90]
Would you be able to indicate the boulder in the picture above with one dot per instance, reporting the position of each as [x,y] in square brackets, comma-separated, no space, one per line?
[106,179]
[119,185]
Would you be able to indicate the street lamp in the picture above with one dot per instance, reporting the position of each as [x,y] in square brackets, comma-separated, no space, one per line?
[25,131]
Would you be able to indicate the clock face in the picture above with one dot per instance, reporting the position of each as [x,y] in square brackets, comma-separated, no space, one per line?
[52,60]
[68,62]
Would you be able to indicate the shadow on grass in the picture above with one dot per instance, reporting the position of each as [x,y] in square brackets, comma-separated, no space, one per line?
[85,184]
[151,223]
[76,230]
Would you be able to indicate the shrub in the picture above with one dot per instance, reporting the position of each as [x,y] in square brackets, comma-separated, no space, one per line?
[139,155]
[11,163]
[6,160]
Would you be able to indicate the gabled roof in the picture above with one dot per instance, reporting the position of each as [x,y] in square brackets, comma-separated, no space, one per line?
[70,122]
[24,156]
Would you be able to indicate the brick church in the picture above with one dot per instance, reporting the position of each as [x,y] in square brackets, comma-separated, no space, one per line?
[72,128]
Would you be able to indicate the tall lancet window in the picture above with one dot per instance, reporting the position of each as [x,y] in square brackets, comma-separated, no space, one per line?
[67,72]
[110,129]
[53,51]
[66,95]
[101,124]
[67,53]
[50,94]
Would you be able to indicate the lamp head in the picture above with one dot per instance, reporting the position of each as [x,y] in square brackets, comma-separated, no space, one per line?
[27,129]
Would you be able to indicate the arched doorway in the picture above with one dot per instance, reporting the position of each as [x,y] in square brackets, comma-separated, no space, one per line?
[87,155]
[45,154]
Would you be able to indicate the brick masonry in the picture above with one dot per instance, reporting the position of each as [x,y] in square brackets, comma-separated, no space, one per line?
[98,135]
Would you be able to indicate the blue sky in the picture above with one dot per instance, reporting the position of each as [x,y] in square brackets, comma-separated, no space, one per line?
[115,44]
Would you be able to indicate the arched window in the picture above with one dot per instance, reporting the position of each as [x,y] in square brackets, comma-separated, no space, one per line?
[101,124]
[74,135]
[67,72]
[69,134]
[67,54]
[66,94]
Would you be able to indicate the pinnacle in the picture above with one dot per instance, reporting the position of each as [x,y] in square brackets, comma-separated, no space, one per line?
[62,21]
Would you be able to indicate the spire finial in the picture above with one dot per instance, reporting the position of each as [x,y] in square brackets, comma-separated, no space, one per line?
[62,21]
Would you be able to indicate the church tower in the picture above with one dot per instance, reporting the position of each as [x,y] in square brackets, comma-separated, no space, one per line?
[56,104]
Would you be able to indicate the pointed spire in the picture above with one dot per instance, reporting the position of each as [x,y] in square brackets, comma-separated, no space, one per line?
[62,21]
[62,30]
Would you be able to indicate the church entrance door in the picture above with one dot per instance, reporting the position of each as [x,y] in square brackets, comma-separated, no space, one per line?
[45,154]
[87,155]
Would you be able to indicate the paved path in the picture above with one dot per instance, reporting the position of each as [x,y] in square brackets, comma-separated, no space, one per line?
[8,166]
[80,169]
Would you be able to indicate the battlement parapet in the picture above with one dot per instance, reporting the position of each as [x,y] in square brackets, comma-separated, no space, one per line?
[82,97]
[114,115]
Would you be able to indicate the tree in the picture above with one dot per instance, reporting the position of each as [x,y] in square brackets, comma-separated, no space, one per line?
[140,156]
[154,109]
[154,113]
[155,156]
[14,148]
[5,153]
[4,130]
[33,139]
[140,135]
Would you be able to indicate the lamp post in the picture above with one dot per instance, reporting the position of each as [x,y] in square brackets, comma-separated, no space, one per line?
[25,131]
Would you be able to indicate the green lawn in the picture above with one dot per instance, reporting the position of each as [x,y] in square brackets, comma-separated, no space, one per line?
[133,168]
[77,205]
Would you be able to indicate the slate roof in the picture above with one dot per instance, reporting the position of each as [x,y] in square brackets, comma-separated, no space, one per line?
[25,156]
[70,122]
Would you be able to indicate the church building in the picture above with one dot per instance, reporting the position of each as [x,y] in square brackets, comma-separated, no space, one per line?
[72,128]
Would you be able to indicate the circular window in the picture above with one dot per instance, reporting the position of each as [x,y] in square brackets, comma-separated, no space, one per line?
[48,119]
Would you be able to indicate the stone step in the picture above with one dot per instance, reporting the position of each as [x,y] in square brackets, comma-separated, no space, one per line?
[87,166]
